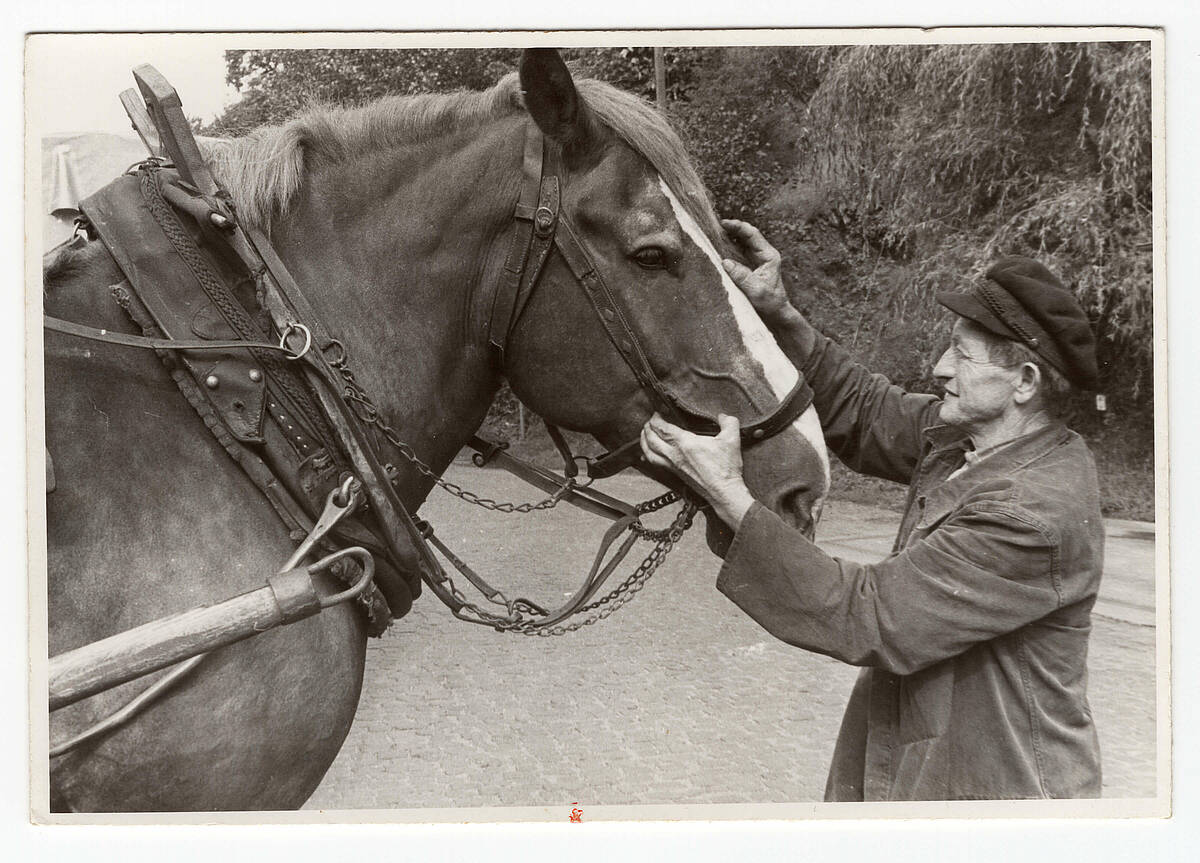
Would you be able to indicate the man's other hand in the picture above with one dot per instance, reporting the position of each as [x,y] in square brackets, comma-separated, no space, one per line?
[712,465]
[761,281]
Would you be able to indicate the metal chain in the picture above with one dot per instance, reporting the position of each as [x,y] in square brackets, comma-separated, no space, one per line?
[514,621]
[366,411]
[652,505]
[624,592]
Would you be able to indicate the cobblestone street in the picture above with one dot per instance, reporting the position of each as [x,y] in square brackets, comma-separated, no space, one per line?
[676,698]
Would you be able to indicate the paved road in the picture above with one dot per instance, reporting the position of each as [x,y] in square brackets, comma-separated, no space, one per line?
[677,698]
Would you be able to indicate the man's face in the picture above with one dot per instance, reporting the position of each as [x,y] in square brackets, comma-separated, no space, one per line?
[978,392]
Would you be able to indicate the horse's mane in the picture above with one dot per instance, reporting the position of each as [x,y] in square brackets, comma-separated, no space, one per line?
[264,170]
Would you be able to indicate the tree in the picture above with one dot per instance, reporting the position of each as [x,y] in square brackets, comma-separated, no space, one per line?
[276,84]
[943,157]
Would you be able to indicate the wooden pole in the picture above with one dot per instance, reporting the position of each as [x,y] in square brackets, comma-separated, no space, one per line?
[103,664]
[660,81]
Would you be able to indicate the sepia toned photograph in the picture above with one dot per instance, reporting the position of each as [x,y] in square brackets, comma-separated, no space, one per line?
[573,427]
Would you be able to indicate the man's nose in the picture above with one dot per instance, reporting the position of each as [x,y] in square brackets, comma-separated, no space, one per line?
[944,367]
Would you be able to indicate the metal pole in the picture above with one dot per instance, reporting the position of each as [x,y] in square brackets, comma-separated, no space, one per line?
[660,81]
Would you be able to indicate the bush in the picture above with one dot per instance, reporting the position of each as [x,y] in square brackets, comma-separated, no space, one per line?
[948,156]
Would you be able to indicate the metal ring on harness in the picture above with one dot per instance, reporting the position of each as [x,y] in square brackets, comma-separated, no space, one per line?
[588,479]
[341,496]
[341,356]
[364,560]
[292,355]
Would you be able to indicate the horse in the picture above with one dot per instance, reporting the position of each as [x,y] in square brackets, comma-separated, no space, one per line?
[395,217]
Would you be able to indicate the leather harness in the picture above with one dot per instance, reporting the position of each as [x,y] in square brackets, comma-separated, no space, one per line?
[334,426]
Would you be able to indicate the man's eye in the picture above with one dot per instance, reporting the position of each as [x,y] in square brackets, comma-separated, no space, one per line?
[652,258]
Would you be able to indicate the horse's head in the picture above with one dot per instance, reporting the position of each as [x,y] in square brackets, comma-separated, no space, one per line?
[633,312]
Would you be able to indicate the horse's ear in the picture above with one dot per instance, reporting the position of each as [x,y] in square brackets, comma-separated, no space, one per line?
[551,97]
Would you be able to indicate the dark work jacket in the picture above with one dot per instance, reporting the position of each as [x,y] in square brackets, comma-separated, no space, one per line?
[974,632]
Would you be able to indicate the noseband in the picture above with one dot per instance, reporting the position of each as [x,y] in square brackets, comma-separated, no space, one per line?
[541,225]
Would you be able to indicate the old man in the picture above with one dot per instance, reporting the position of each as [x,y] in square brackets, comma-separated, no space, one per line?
[973,633]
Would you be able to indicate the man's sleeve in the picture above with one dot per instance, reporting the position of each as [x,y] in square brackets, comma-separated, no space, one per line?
[986,572]
[873,426]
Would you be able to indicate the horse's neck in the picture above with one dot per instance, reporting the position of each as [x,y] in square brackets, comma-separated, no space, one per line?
[399,253]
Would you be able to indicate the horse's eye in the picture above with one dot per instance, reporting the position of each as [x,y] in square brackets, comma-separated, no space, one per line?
[651,257]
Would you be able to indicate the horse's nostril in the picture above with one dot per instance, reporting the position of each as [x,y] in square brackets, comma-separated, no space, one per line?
[800,507]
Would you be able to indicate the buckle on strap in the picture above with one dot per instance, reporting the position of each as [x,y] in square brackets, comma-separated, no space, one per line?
[543,221]
[794,403]
[536,217]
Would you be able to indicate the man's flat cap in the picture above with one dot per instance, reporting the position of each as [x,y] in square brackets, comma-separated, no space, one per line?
[1022,300]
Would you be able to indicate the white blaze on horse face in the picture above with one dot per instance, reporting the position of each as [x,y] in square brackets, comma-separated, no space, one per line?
[777,368]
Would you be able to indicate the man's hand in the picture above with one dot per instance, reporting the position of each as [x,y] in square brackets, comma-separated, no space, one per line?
[761,282]
[711,465]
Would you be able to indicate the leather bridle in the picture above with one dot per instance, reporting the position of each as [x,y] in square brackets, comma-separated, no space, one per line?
[543,226]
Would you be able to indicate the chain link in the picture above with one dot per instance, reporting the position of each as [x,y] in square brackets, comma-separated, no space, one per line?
[514,619]
[366,411]
[622,593]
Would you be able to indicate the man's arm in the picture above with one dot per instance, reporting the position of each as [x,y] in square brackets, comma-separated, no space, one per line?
[873,426]
[986,572]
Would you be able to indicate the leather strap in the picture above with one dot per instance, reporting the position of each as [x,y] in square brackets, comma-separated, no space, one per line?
[786,412]
[287,307]
[630,453]
[596,577]
[535,216]
[564,450]
[71,328]
[598,574]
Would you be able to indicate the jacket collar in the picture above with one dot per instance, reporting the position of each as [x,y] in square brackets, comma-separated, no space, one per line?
[950,444]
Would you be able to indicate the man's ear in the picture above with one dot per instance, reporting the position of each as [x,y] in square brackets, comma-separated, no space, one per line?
[552,100]
[1029,383]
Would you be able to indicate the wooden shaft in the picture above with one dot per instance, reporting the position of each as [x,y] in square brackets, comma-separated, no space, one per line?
[175,134]
[141,122]
[103,664]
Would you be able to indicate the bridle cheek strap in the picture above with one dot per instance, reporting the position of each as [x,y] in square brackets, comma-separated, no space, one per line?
[536,216]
